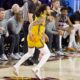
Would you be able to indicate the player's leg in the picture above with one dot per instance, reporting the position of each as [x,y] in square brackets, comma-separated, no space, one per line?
[24,58]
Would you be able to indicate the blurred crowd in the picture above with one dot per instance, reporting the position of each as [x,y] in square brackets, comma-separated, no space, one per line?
[62,30]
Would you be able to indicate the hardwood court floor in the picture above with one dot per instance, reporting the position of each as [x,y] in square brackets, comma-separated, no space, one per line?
[66,69]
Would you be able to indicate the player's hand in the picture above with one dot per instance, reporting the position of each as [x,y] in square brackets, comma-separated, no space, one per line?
[46,38]
[30,36]
[60,32]
[69,30]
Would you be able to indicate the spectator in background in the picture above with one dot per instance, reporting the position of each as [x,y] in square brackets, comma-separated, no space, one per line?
[14,25]
[75,19]
[3,32]
[29,8]
[10,12]
[55,6]
[53,34]
[55,11]
[64,23]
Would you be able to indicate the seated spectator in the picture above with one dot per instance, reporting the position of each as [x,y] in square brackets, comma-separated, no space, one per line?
[64,23]
[3,32]
[14,25]
[53,34]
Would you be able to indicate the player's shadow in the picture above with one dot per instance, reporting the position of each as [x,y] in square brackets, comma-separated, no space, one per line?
[26,78]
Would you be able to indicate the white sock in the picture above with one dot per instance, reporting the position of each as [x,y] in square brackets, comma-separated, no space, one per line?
[71,38]
[25,57]
[60,41]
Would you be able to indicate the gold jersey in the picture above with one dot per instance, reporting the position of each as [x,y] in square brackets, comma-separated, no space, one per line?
[37,32]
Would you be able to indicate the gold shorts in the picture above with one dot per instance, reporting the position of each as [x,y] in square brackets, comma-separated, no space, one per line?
[38,44]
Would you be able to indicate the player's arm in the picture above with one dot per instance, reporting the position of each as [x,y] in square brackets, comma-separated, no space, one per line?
[39,21]
[46,37]
[69,22]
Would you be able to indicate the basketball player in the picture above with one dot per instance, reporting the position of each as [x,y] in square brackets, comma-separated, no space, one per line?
[36,39]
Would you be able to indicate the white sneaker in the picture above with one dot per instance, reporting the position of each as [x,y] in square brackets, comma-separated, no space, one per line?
[4,57]
[52,54]
[76,46]
[59,53]
[21,53]
[18,55]
[16,71]
[13,56]
[37,72]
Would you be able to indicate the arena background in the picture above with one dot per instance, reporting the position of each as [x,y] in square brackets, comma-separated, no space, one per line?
[73,6]
[56,69]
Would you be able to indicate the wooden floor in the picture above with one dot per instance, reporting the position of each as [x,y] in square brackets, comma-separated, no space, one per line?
[66,69]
